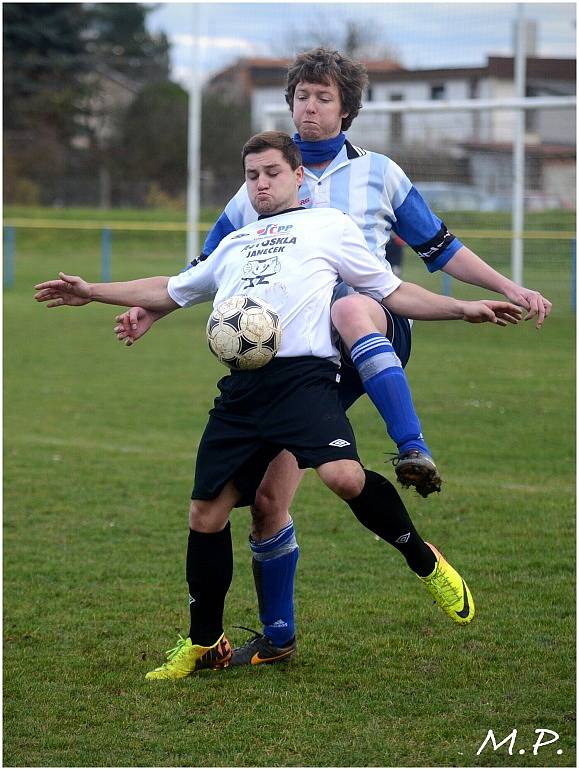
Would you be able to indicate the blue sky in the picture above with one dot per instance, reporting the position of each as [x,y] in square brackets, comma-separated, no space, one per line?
[420,34]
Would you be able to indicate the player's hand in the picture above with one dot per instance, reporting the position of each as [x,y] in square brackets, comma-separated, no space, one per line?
[67,290]
[492,311]
[133,324]
[532,301]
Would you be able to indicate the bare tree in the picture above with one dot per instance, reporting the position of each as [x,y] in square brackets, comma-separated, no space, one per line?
[349,36]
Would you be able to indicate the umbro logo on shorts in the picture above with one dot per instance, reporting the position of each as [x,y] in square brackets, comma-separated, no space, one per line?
[403,538]
[339,442]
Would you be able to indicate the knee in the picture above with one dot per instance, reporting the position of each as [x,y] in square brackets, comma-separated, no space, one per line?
[278,487]
[266,502]
[205,516]
[259,514]
[346,310]
[197,516]
[268,514]
[347,487]
[344,477]
[356,315]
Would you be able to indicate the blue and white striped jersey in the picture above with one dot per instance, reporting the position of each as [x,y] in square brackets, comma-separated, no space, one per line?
[377,195]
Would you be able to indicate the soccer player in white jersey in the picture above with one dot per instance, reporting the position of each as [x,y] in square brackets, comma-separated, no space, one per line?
[324,94]
[261,412]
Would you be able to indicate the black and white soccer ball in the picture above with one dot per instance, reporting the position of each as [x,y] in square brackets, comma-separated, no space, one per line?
[244,332]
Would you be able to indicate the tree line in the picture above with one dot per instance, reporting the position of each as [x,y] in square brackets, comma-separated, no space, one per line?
[91,113]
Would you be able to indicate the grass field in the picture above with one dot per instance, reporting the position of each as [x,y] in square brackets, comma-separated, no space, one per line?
[98,457]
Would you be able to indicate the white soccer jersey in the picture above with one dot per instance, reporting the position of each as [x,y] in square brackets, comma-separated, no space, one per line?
[374,191]
[292,261]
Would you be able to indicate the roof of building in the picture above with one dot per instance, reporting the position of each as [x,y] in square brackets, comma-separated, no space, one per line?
[264,71]
[552,151]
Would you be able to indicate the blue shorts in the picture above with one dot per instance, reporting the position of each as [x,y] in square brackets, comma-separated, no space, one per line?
[398,332]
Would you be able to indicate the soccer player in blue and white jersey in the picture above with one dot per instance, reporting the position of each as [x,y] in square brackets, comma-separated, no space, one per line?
[293,402]
[324,93]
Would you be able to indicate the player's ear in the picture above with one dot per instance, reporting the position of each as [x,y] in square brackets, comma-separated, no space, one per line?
[299,175]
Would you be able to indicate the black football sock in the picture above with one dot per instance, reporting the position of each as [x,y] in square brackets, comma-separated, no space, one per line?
[209,573]
[379,508]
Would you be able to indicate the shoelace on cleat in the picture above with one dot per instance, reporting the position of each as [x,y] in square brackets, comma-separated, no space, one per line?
[172,653]
[392,457]
[448,590]
[251,630]
[256,635]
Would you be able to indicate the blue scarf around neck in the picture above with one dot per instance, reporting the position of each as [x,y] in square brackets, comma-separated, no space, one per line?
[318,152]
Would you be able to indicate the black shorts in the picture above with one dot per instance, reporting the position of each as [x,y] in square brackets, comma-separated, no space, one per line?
[291,403]
[398,332]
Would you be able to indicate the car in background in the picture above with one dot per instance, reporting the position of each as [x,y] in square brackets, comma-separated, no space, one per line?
[445,196]
[534,201]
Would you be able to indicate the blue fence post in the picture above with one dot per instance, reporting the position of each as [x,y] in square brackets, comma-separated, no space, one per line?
[8,257]
[573,274]
[106,255]
[446,285]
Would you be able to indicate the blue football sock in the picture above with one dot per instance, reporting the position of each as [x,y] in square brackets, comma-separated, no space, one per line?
[274,568]
[385,382]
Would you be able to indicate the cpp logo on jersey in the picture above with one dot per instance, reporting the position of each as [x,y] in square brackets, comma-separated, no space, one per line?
[273,229]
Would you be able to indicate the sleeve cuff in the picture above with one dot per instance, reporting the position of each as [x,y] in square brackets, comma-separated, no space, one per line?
[446,256]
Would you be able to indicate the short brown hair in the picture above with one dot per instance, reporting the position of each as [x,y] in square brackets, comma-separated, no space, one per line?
[323,65]
[275,140]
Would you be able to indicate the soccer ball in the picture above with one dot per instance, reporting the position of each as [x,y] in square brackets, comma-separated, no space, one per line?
[243,332]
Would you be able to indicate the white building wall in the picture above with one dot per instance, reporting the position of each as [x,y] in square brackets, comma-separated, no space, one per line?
[502,124]
[492,174]
[485,119]
[556,126]
[262,97]
[371,132]
[559,179]
[438,129]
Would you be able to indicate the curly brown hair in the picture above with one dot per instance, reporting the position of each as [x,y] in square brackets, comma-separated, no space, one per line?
[323,65]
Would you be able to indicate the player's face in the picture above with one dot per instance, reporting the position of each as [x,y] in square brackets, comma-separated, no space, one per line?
[317,111]
[272,184]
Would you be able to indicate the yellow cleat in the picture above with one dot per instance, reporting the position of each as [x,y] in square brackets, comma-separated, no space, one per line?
[449,590]
[186,658]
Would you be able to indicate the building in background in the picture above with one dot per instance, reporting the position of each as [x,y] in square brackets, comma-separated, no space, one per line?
[262,82]
[471,148]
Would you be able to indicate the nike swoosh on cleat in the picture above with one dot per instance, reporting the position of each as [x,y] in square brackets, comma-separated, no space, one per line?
[257,659]
[466,608]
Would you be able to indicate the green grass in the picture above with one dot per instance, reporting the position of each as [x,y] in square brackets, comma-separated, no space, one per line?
[99,451]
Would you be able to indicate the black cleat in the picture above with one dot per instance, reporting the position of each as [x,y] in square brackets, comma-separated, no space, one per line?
[259,650]
[417,469]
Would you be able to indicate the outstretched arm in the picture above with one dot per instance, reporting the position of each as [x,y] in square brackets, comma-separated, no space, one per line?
[420,227]
[72,290]
[413,301]
[135,322]
[466,266]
